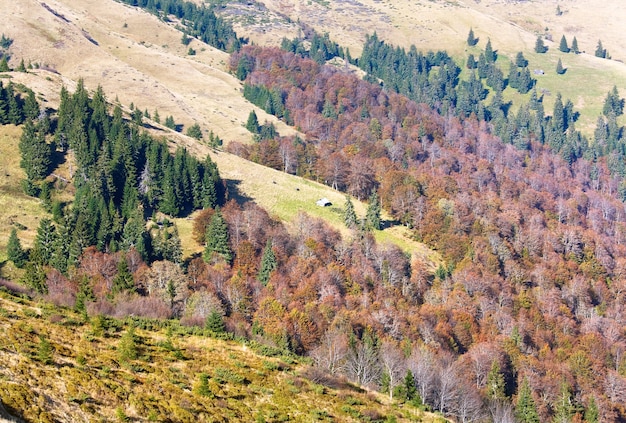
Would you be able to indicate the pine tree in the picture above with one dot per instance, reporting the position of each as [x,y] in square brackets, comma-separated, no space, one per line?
[525,408]
[349,215]
[471,39]
[15,252]
[21,67]
[217,238]
[539,46]
[559,68]
[574,46]
[372,217]
[520,60]
[268,264]
[563,45]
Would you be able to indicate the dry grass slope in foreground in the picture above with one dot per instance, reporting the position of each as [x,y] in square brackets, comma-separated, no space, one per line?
[58,367]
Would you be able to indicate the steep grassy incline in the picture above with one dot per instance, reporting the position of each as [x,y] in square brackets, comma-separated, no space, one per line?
[58,367]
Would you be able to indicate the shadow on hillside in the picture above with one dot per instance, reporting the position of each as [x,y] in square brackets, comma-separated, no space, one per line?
[232,187]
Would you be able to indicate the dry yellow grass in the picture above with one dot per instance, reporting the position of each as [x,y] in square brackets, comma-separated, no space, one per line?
[16,209]
[87,378]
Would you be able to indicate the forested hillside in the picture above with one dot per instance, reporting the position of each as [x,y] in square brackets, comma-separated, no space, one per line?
[522,320]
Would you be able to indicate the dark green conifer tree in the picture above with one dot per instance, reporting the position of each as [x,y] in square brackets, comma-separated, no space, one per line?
[217,238]
[349,215]
[520,60]
[4,64]
[34,277]
[574,46]
[471,39]
[540,46]
[600,51]
[372,217]
[15,252]
[268,263]
[35,153]
[215,322]
[495,383]
[471,62]
[123,280]
[490,55]
[252,123]
[525,407]
[592,414]
[563,45]
[559,68]
[45,240]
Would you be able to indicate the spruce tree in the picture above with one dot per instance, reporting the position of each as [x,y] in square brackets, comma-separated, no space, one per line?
[559,68]
[45,240]
[592,414]
[35,277]
[525,408]
[169,122]
[490,55]
[349,215]
[539,46]
[520,60]
[4,64]
[215,322]
[574,46]
[564,408]
[495,382]
[471,39]
[123,280]
[44,351]
[217,238]
[268,264]
[600,51]
[252,123]
[15,252]
[471,62]
[410,389]
[374,209]
[194,131]
[563,45]
[127,346]
[35,153]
